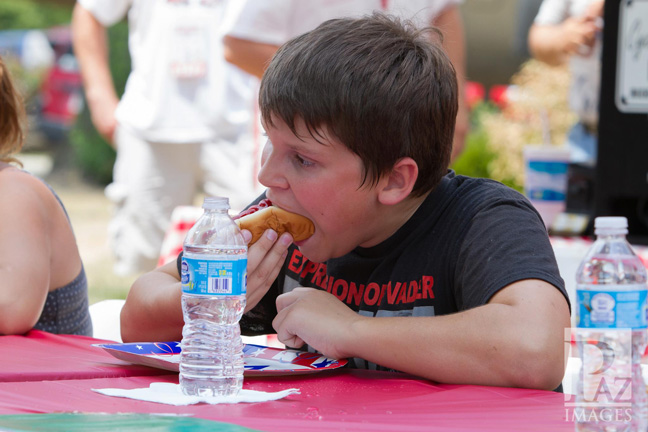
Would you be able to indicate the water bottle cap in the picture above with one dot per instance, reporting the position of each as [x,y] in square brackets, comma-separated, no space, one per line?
[216,203]
[615,223]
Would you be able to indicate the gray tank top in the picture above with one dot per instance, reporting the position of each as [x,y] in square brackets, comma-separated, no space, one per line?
[66,308]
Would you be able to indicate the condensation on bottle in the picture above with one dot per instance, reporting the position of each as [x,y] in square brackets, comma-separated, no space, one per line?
[214,279]
[611,333]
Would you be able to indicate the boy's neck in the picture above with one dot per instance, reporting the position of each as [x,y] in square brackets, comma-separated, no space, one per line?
[395,216]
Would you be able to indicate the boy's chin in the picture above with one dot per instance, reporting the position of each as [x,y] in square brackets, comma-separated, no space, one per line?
[311,253]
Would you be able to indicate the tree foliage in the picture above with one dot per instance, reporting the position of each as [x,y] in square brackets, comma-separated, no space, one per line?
[30,14]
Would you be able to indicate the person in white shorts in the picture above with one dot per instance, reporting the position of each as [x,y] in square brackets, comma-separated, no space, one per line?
[259,27]
[182,124]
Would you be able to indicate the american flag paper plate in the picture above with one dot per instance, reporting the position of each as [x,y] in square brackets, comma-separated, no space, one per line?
[259,360]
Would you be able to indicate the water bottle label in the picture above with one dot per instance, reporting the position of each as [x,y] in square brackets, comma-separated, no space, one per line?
[616,308]
[218,276]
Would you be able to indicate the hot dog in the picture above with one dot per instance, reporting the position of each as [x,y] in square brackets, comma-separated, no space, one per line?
[280,220]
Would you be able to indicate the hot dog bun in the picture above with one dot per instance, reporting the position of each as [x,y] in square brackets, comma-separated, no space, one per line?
[280,220]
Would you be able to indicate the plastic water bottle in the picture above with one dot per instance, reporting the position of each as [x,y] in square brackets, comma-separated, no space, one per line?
[214,278]
[611,334]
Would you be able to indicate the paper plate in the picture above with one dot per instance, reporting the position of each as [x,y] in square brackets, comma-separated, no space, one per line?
[259,360]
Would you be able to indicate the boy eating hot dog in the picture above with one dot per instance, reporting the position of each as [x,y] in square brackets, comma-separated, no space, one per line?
[410,267]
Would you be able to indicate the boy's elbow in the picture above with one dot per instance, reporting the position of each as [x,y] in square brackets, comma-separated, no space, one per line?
[539,366]
[542,376]
[536,350]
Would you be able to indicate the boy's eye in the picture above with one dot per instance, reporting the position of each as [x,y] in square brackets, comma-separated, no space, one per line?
[303,162]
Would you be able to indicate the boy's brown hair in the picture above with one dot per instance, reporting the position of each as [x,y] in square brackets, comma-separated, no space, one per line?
[381,86]
[12,117]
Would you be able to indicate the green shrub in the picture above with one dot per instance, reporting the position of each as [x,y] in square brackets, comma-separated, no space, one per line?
[29,14]
[478,156]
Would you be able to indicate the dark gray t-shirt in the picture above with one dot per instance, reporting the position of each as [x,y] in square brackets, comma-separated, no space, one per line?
[469,239]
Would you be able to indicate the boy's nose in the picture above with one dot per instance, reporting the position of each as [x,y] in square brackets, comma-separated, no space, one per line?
[270,175]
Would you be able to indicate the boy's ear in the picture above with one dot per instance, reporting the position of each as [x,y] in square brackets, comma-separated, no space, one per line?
[398,184]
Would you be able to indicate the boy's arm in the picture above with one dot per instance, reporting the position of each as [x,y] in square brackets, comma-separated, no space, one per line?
[153,309]
[450,23]
[515,340]
[91,49]
[250,56]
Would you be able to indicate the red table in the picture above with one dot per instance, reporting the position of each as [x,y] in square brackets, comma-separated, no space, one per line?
[39,356]
[343,399]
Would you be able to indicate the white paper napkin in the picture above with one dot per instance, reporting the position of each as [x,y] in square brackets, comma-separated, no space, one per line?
[170,394]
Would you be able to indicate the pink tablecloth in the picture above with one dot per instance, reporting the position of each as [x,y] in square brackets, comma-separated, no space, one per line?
[39,356]
[44,373]
[335,400]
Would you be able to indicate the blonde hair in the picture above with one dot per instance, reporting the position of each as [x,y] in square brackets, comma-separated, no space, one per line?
[12,117]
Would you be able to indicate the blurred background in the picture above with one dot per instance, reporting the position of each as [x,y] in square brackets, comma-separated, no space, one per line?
[507,93]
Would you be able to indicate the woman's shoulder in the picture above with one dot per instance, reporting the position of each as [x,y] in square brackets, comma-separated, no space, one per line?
[20,190]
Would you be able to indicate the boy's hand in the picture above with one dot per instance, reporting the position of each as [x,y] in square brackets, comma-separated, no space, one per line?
[315,317]
[265,259]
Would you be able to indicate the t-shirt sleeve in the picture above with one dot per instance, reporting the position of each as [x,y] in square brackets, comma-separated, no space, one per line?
[107,12]
[506,242]
[260,21]
[552,12]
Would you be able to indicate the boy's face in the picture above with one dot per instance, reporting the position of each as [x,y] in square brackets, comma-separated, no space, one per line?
[320,180]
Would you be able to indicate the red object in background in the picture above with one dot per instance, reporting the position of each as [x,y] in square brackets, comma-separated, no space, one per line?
[61,92]
[498,95]
[61,98]
[182,219]
[474,93]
